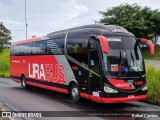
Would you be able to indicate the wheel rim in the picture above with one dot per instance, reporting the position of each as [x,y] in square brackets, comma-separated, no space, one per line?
[75,92]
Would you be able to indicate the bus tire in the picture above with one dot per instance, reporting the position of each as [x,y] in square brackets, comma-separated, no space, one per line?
[75,93]
[23,82]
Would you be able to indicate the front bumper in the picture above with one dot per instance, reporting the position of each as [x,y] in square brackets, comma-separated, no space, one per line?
[124,99]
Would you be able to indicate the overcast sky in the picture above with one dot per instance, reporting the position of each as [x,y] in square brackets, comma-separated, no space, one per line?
[45,16]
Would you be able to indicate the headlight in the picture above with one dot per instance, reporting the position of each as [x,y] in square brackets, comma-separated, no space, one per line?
[144,88]
[109,90]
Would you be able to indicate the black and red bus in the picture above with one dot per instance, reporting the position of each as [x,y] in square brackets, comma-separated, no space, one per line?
[102,63]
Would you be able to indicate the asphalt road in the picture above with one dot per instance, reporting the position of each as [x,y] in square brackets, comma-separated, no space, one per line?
[13,97]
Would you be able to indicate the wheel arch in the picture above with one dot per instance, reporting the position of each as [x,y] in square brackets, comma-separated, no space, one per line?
[70,84]
[22,76]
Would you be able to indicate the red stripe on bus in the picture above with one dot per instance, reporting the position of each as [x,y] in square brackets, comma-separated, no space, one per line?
[26,41]
[93,98]
[123,99]
[96,99]
[48,87]
[113,100]
[84,95]
[119,83]
[16,80]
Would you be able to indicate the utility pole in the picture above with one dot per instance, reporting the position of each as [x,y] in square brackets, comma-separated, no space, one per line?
[26,18]
[96,22]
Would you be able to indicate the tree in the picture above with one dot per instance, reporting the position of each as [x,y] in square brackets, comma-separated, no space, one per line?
[5,36]
[143,22]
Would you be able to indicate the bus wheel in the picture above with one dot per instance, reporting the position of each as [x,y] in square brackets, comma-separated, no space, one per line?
[23,82]
[75,93]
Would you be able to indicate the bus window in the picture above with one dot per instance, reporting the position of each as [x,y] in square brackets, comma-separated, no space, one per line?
[26,47]
[55,46]
[123,60]
[94,61]
[92,44]
[39,48]
[17,50]
[77,48]
[93,56]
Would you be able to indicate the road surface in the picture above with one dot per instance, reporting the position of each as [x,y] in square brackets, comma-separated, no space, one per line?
[14,98]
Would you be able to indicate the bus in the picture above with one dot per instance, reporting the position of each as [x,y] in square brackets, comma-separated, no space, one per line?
[102,63]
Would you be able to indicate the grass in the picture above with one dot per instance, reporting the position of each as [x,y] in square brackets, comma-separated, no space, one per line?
[147,56]
[153,82]
[4,63]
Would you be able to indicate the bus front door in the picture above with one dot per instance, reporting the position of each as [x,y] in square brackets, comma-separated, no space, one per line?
[94,76]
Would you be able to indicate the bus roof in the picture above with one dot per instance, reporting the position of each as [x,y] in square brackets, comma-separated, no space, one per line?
[96,28]
[102,27]
[26,41]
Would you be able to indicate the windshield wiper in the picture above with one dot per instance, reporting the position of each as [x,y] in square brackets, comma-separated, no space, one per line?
[134,64]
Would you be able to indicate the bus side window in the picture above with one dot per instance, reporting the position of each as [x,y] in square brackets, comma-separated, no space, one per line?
[39,47]
[26,49]
[55,46]
[77,48]
[92,44]
[93,57]
[17,50]
[94,61]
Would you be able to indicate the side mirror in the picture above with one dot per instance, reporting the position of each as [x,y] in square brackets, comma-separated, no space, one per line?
[149,43]
[104,43]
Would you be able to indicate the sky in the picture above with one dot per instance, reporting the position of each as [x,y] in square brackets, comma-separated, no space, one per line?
[45,16]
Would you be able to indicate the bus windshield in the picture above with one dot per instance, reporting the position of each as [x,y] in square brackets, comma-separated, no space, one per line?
[124,58]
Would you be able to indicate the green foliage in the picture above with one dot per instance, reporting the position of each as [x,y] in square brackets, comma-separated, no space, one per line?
[140,21]
[153,83]
[147,56]
[4,63]
[5,36]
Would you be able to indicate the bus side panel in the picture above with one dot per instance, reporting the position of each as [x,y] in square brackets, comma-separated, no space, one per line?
[50,70]
[68,72]
[15,68]
[45,68]
[81,76]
